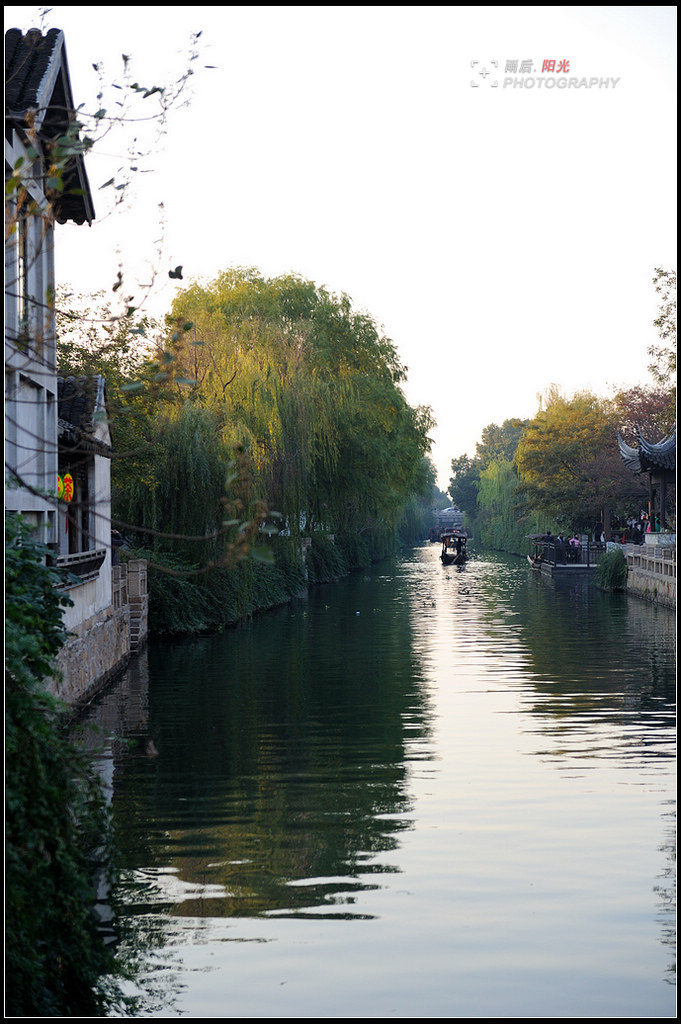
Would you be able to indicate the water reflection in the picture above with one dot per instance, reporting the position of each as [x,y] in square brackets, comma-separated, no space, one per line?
[279,761]
[581,658]
[462,759]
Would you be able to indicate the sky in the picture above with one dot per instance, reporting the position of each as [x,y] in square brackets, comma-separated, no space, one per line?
[495,186]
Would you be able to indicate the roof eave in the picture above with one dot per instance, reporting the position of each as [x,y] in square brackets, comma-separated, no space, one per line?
[74,202]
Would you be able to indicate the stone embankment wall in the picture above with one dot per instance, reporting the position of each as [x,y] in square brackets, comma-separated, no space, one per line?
[652,569]
[100,648]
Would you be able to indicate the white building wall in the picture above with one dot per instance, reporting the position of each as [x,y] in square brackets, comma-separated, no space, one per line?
[30,358]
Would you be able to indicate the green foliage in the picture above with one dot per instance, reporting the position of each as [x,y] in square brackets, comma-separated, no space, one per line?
[177,603]
[464,483]
[289,567]
[56,822]
[417,516]
[310,389]
[499,443]
[568,460]
[34,632]
[182,496]
[356,549]
[325,561]
[564,465]
[611,571]
[185,598]
[269,394]
[501,522]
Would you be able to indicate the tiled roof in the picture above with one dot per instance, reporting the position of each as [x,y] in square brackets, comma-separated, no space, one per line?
[37,80]
[657,456]
[649,457]
[28,61]
[77,401]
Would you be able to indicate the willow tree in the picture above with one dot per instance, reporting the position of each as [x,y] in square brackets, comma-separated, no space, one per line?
[310,389]
[246,350]
[184,500]
[503,519]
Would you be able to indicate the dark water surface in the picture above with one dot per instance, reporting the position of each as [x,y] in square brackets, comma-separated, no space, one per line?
[419,792]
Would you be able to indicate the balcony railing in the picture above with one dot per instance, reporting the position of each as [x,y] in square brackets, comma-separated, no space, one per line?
[84,564]
[587,554]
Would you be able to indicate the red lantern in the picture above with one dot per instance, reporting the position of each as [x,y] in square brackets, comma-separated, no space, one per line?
[68,487]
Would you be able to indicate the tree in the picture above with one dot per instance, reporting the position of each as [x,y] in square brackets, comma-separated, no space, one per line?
[93,339]
[502,521]
[464,483]
[644,407]
[569,464]
[499,442]
[417,518]
[187,500]
[309,388]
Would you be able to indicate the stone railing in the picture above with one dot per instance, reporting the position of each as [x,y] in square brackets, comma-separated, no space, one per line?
[119,586]
[129,587]
[659,559]
[138,601]
[652,568]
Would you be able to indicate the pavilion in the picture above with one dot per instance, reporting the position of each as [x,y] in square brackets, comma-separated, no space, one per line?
[658,461]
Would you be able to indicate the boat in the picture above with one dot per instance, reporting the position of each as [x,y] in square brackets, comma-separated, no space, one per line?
[538,544]
[453,547]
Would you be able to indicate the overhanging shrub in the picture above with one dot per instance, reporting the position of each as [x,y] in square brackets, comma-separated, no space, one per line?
[611,571]
[56,822]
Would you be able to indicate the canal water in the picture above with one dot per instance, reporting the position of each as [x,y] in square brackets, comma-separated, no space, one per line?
[418,792]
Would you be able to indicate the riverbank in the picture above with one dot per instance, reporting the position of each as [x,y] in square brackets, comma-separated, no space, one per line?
[187,602]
